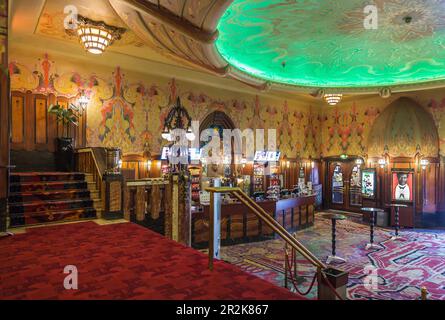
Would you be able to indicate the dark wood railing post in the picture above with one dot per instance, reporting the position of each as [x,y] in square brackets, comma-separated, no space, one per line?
[211,229]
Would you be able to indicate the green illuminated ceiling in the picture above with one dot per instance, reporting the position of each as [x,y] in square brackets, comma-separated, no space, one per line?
[320,43]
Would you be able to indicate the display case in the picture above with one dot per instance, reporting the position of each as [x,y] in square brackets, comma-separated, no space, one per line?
[337,186]
[195,181]
[355,190]
[258,177]
[368,184]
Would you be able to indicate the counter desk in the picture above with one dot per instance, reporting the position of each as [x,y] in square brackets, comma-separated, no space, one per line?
[240,225]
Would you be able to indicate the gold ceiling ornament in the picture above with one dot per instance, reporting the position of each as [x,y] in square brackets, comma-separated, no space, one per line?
[95,36]
[333,98]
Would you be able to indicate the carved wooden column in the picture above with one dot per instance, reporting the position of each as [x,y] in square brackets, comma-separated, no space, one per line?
[127,203]
[168,210]
[4,114]
[114,204]
[180,217]
[155,201]
[140,203]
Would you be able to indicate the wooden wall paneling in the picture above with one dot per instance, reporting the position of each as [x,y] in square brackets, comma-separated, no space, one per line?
[41,122]
[430,185]
[18,121]
[64,104]
[4,115]
[52,125]
[29,122]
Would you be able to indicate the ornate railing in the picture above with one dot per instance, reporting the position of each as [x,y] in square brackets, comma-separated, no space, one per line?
[290,240]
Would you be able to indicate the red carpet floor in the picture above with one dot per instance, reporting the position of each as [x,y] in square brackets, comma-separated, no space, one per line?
[119,261]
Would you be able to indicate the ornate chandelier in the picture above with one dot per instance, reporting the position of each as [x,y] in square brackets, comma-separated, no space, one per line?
[95,36]
[178,118]
[333,99]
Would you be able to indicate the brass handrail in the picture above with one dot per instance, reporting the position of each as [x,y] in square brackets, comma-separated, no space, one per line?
[266,218]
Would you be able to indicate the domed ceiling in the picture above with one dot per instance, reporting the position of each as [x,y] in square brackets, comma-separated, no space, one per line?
[306,45]
[323,43]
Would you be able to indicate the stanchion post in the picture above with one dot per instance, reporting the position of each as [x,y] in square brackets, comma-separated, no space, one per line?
[211,229]
[424,293]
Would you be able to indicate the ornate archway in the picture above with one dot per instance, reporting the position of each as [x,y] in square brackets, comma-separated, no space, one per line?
[403,129]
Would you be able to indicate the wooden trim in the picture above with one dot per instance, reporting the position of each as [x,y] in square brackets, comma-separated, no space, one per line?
[173,21]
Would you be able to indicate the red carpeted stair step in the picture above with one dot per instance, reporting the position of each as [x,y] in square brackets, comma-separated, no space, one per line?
[30,218]
[40,197]
[47,186]
[46,176]
[39,206]
[48,195]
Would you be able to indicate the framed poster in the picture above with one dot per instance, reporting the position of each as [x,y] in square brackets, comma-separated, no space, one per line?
[402,185]
[369,182]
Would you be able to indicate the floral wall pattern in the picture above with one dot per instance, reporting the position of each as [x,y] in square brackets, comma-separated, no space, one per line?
[127,110]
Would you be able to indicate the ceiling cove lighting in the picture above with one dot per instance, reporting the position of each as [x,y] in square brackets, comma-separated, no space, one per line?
[95,36]
[333,99]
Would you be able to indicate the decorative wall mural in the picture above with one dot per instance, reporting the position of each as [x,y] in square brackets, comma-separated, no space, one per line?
[344,132]
[128,110]
[320,43]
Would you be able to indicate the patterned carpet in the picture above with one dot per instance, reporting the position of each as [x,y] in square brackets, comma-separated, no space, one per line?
[403,267]
[119,261]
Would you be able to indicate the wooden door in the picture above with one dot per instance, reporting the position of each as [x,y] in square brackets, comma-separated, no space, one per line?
[338,185]
[33,129]
[344,187]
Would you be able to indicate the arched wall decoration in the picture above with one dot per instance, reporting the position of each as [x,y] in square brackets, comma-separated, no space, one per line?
[401,128]
[217,119]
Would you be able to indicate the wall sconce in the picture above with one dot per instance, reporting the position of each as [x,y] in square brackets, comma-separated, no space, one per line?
[149,165]
[312,164]
[382,163]
[288,164]
[424,163]
[243,162]
[83,101]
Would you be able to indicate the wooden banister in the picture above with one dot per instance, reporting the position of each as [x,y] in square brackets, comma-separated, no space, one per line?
[93,161]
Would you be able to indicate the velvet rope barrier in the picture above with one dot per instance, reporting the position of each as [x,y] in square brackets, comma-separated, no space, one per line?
[294,275]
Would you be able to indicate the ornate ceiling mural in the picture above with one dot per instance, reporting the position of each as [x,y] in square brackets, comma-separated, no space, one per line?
[321,43]
[309,46]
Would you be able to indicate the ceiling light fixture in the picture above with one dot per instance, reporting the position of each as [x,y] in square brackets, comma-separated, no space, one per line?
[96,36]
[333,98]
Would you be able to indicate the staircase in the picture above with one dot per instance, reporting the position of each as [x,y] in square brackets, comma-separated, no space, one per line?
[44,197]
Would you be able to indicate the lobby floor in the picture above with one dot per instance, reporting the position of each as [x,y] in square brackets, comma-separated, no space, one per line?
[402,267]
